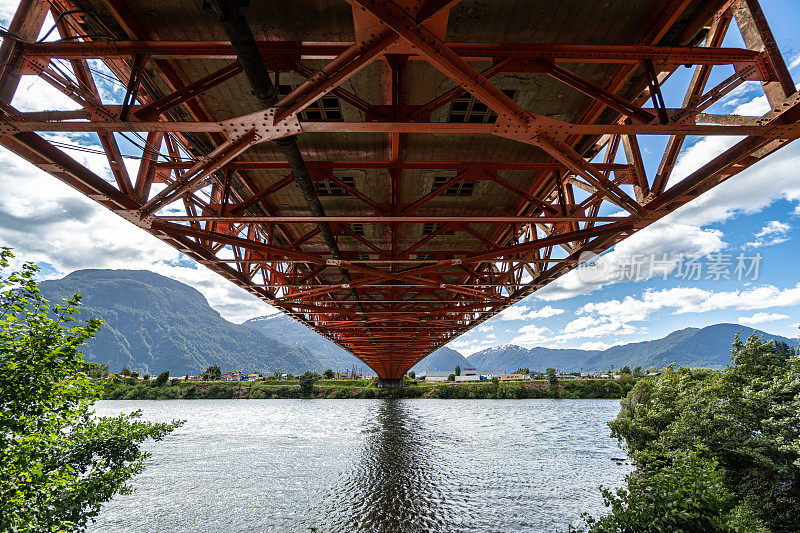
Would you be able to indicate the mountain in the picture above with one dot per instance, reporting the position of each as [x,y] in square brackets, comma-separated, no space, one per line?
[442,359]
[511,357]
[697,347]
[331,355]
[153,323]
[289,331]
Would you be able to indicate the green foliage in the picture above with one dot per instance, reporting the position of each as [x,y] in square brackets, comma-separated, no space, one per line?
[328,374]
[525,371]
[412,375]
[451,377]
[746,419]
[58,464]
[162,379]
[307,383]
[125,371]
[458,370]
[552,382]
[212,373]
[96,370]
[688,494]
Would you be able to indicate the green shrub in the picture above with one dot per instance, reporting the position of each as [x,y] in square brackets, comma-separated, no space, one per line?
[162,378]
[687,494]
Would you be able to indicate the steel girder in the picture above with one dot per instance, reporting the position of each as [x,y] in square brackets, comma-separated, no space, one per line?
[391,304]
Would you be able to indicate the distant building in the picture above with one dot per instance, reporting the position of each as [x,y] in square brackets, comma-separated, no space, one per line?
[231,376]
[434,375]
[346,376]
[253,377]
[514,377]
[467,374]
[489,374]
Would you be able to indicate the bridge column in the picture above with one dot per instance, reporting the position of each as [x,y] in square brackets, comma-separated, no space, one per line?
[390,383]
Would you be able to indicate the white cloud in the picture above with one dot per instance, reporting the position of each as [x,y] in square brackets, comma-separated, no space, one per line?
[593,327]
[515,312]
[581,323]
[652,252]
[683,300]
[532,335]
[523,312]
[470,346]
[544,312]
[760,318]
[684,231]
[774,232]
[597,345]
[44,220]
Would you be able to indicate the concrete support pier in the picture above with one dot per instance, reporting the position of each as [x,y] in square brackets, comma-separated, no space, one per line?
[390,383]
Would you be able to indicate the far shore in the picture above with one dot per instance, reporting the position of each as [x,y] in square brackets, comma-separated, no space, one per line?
[364,389]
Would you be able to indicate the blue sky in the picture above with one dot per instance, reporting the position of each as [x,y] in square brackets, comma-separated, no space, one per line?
[756,212]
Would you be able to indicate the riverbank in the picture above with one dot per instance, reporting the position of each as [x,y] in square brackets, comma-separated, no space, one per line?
[208,390]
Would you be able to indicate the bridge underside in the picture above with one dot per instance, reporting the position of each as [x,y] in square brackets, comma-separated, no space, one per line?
[391,174]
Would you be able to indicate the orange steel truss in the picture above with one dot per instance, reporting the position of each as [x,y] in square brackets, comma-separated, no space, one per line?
[386,266]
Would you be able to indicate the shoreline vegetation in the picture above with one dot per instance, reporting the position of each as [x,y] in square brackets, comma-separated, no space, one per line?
[115,389]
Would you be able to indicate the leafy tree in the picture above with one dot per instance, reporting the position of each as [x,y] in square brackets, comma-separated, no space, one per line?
[552,380]
[96,370]
[307,383]
[746,419]
[212,373]
[328,374]
[625,370]
[412,375]
[125,371]
[58,463]
[458,370]
[451,377]
[146,377]
[686,495]
[134,374]
[525,371]
[162,379]
[638,372]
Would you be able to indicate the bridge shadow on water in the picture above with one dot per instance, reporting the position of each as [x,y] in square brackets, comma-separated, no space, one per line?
[399,483]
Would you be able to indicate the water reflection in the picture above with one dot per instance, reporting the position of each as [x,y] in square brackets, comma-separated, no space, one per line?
[369,465]
[396,485]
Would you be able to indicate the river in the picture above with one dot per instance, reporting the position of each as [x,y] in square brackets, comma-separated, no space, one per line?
[369,465]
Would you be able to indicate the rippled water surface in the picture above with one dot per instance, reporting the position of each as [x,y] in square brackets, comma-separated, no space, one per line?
[370,465]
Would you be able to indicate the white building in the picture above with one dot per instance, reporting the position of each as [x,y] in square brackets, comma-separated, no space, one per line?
[434,375]
[467,374]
